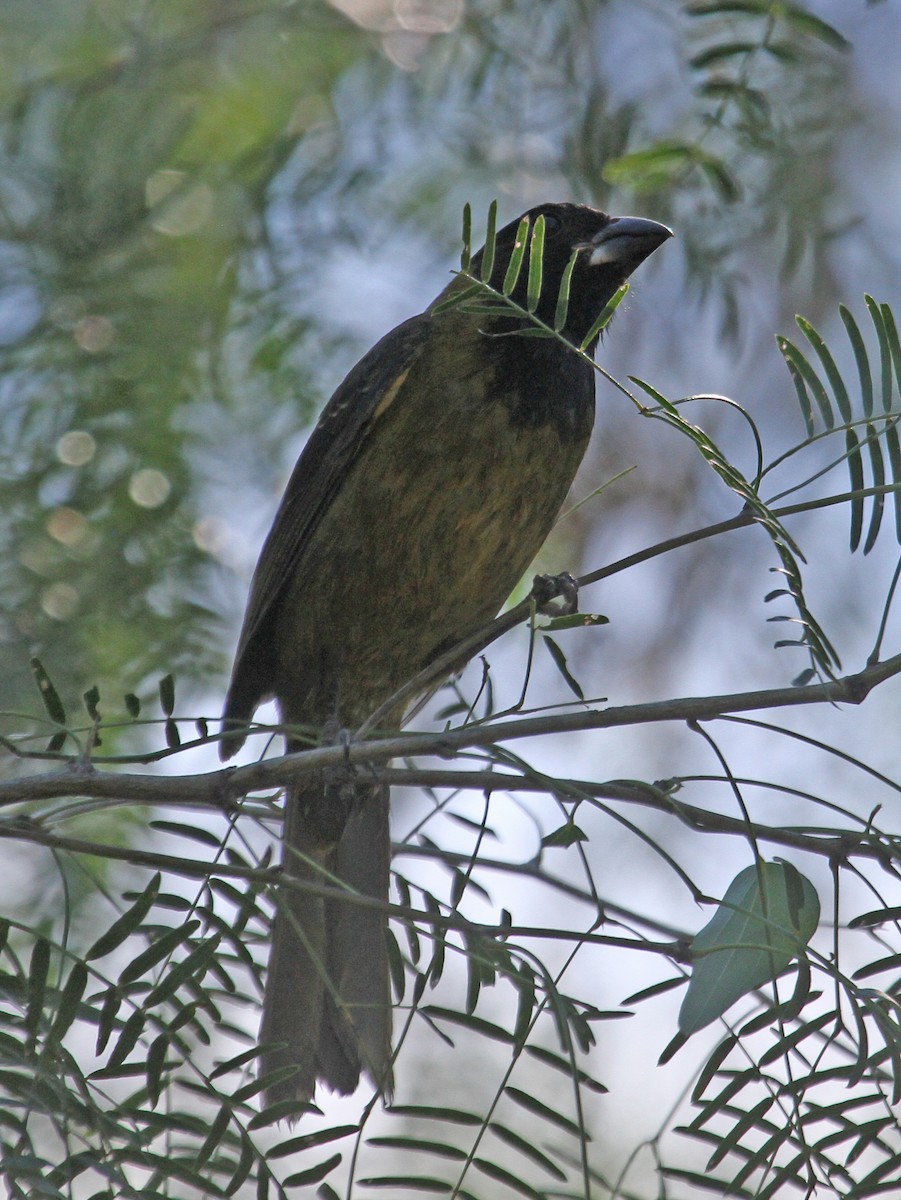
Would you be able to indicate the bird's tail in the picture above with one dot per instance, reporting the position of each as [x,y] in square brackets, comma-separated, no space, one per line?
[327,1004]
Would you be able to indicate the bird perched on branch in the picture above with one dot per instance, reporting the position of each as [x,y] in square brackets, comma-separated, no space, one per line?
[427,487]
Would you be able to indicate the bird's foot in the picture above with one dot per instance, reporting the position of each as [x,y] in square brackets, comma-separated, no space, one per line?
[548,588]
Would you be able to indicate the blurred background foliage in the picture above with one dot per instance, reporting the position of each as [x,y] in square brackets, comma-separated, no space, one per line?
[207,210]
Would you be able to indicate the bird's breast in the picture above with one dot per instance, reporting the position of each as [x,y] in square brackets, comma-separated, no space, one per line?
[456,486]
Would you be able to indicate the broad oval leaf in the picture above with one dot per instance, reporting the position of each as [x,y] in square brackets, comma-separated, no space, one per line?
[766,918]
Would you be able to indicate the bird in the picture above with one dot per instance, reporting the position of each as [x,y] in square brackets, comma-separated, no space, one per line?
[428,485]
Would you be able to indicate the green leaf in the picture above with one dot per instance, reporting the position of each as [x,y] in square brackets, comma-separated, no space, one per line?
[525,1005]
[713,55]
[565,1066]
[885,352]
[752,101]
[716,7]
[855,470]
[396,968]
[156,1061]
[128,1039]
[752,1119]
[490,243]
[655,989]
[397,1183]
[193,967]
[781,1047]
[536,265]
[127,923]
[244,1167]
[474,984]
[49,694]
[429,1112]
[39,968]
[539,1109]
[91,699]
[574,621]
[516,258]
[668,407]
[565,835]
[877,466]
[782,51]
[466,255]
[67,1010]
[767,916]
[494,1171]
[710,8]
[710,1069]
[459,881]
[650,169]
[799,367]
[308,1141]
[420,1146]
[525,1147]
[806,22]
[192,832]
[706,1183]
[215,1135]
[842,399]
[878,916]
[233,1064]
[605,317]
[477,1024]
[860,356]
[894,344]
[248,1090]
[167,695]
[562,310]
[525,331]
[893,446]
[458,299]
[560,663]
[720,177]
[157,951]
[494,306]
[314,1174]
[672,1047]
[112,1002]
[800,390]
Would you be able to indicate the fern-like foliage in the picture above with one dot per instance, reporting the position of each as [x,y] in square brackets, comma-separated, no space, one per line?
[736,48]
[864,414]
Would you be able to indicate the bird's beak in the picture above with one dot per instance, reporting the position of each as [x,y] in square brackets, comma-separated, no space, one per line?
[626,240]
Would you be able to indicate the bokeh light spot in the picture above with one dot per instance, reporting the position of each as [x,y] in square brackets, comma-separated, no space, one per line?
[149,488]
[59,601]
[76,448]
[67,526]
[94,334]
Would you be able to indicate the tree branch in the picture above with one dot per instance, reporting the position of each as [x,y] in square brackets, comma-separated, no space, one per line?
[221,788]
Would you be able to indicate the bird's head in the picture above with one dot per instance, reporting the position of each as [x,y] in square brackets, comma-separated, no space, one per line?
[604,251]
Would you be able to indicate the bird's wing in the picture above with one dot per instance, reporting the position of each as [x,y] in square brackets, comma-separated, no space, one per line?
[334,444]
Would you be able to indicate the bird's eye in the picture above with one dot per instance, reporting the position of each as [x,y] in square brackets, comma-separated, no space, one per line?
[551,223]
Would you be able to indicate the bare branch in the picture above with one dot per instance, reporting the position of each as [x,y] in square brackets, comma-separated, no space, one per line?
[221,788]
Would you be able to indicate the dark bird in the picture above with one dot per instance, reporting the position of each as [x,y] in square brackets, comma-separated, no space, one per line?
[424,492]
